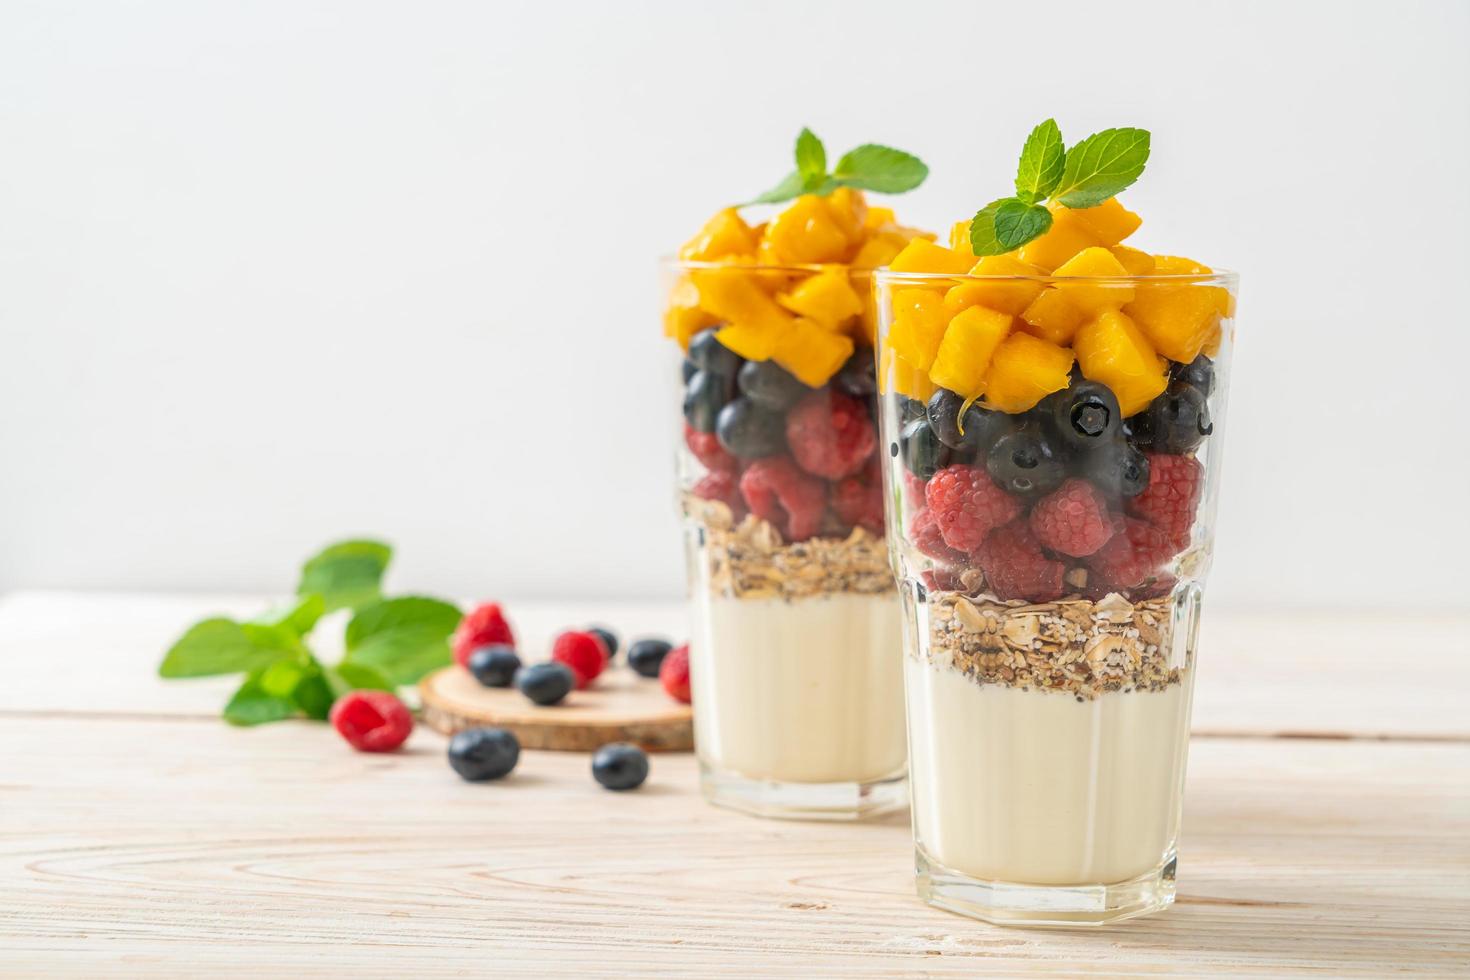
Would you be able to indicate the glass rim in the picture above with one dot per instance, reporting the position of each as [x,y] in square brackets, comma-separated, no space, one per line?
[696,265]
[1220,277]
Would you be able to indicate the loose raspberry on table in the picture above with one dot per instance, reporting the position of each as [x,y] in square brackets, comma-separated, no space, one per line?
[673,674]
[724,487]
[858,500]
[707,449]
[830,434]
[924,533]
[583,653]
[1133,555]
[1015,567]
[967,505]
[1175,484]
[1073,519]
[482,626]
[777,491]
[371,721]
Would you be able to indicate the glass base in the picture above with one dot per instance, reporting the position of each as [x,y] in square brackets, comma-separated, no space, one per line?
[803,801]
[1003,903]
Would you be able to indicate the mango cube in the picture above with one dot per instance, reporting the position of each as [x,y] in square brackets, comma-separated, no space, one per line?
[812,352]
[1052,318]
[923,256]
[1109,221]
[807,233]
[738,295]
[879,250]
[1066,237]
[1024,370]
[965,352]
[877,217]
[1093,298]
[1006,295]
[1136,261]
[918,325]
[827,297]
[1174,265]
[1112,350]
[683,317]
[723,235]
[959,238]
[897,374]
[849,209]
[1178,320]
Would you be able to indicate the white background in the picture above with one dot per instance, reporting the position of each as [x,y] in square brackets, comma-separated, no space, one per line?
[272,273]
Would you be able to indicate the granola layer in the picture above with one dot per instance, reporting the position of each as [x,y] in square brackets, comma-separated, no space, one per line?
[1073,646]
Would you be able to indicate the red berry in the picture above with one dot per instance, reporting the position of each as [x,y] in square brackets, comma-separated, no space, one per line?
[707,449]
[913,489]
[584,653]
[724,487]
[924,533]
[674,673]
[1016,568]
[1073,519]
[780,493]
[859,499]
[371,721]
[481,626]
[830,434]
[1135,552]
[1171,497]
[967,505]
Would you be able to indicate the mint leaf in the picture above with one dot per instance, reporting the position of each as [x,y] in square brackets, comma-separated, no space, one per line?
[299,618]
[811,160]
[252,705]
[287,688]
[880,168]
[403,638]
[348,574]
[223,646]
[983,237]
[1042,160]
[1102,165]
[1017,223]
[357,677]
[790,187]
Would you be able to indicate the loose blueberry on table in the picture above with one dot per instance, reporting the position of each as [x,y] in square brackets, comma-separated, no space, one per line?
[620,766]
[480,754]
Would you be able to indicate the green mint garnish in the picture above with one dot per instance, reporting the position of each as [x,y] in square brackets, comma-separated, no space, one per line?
[1092,171]
[402,638]
[348,574]
[869,167]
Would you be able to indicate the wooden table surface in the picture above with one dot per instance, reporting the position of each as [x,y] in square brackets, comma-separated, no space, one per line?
[1326,831]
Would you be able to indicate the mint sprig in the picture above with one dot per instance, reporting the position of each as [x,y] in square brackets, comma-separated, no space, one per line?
[869,167]
[1092,171]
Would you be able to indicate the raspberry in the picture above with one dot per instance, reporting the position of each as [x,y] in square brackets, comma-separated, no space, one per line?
[482,626]
[1073,519]
[673,674]
[724,487]
[371,721]
[924,533]
[780,493]
[1169,501]
[1132,555]
[967,505]
[830,434]
[584,653]
[859,499]
[913,489]
[707,449]
[1016,568]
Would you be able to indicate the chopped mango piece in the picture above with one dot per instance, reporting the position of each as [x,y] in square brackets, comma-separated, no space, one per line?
[1111,349]
[754,342]
[806,233]
[878,217]
[1212,343]
[1006,295]
[1136,261]
[827,297]
[723,235]
[1093,297]
[959,238]
[683,317]
[812,352]
[918,325]
[969,343]
[1175,265]
[1066,237]
[1178,320]
[1024,370]
[738,296]
[878,250]
[849,209]
[1109,221]
[897,374]
[1052,318]
[922,256]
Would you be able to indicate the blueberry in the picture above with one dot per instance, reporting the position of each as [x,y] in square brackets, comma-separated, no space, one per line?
[545,683]
[770,385]
[858,376]
[1117,469]
[708,354]
[911,408]
[688,368]
[982,425]
[706,395]
[608,637]
[1082,417]
[1024,463]
[494,665]
[923,453]
[478,754]
[749,431]
[620,765]
[1175,422]
[1199,372]
[647,656]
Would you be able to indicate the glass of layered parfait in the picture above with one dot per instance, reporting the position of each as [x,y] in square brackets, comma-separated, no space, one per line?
[796,681]
[1051,420]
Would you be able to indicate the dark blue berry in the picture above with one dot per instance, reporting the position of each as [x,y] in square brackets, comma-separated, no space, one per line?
[494,665]
[922,452]
[911,408]
[687,369]
[770,385]
[1116,468]
[479,754]
[982,425]
[1024,463]
[647,656]
[708,354]
[620,766]
[706,395]
[1082,418]
[1175,422]
[858,377]
[608,637]
[546,683]
[1199,372]
[749,431]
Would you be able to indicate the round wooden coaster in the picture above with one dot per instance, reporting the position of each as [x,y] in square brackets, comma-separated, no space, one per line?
[620,706]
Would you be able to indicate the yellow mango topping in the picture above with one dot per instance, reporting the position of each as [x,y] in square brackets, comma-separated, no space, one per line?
[969,343]
[849,210]
[827,297]
[918,325]
[1109,221]
[812,352]
[1052,318]
[878,251]
[738,297]
[1178,320]
[922,256]
[1174,265]
[876,218]
[682,316]
[1112,350]
[724,235]
[1093,298]
[1212,343]
[1007,296]
[1137,262]
[959,238]
[897,374]
[807,233]
[1066,237]
[1024,370]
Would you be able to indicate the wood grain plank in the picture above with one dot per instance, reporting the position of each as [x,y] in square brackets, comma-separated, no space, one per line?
[150,847]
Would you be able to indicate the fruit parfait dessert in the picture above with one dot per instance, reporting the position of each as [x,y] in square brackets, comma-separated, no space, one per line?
[797,685]
[1051,402]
